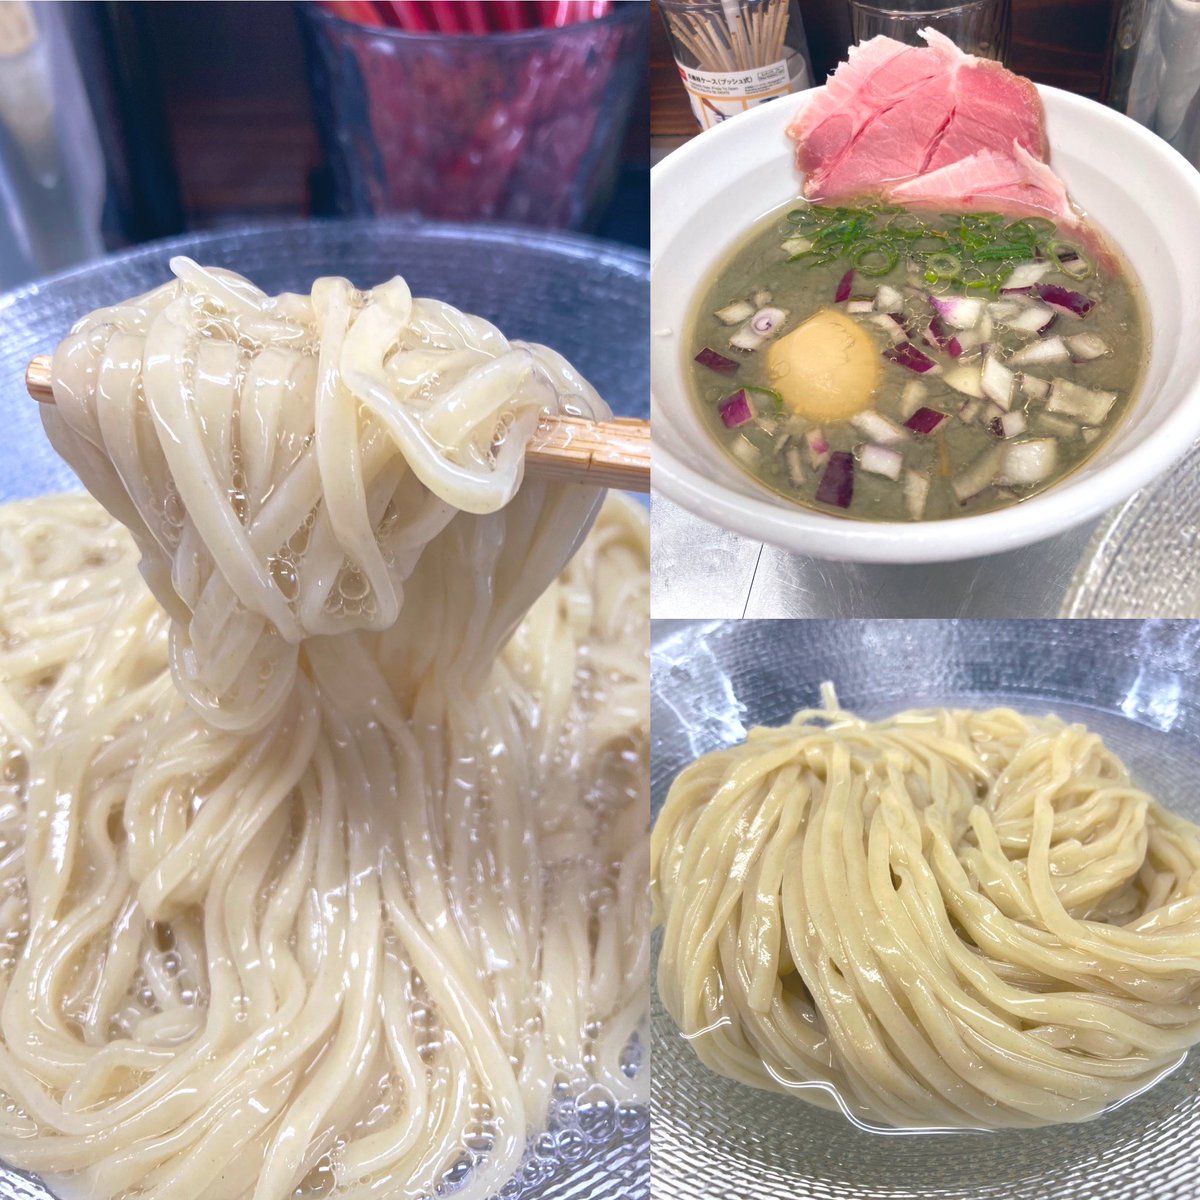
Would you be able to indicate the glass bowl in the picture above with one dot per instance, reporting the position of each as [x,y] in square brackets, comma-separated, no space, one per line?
[588,299]
[1136,683]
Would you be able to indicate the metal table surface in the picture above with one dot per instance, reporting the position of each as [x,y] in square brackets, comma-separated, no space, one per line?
[701,570]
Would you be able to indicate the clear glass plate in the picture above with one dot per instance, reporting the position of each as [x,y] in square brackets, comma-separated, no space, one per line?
[589,300]
[1136,683]
[1145,558]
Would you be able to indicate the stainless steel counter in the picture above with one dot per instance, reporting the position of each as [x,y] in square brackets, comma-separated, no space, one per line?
[699,570]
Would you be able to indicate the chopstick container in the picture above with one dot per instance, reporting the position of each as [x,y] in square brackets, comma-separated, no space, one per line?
[735,54]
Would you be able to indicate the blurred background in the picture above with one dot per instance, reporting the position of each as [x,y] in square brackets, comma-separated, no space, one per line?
[1139,56]
[125,122]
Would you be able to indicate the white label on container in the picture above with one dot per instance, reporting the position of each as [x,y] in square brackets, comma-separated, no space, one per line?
[716,95]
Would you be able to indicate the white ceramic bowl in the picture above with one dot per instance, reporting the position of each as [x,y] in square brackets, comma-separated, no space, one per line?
[707,195]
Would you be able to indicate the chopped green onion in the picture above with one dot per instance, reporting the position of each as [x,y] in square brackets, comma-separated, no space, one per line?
[874,259]
[943,265]
[776,398]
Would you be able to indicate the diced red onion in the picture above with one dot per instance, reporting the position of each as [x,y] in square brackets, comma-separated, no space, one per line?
[735,410]
[925,420]
[844,287]
[1035,388]
[1085,404]
[907,355]
[1032,318]
[889,299]
[912,397]
[1029,462]
[978,477]
[1024,275]
[1063,299]
[1087,346]
[794,465]
[860,306]
[942,338]
[961,312]
[916,493]
[965,380]
[1048,350]
[996,380]
[716,362]
[837,484]
[735,313]
[1009,424]
[818,448]
[881,460]
[877,427]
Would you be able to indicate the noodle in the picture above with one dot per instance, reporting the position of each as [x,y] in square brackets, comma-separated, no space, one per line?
[947,918]
[321,878]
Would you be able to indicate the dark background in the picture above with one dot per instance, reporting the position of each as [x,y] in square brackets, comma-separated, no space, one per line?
[207,105]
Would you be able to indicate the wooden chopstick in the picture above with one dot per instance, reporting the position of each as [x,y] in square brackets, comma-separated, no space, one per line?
[614,454]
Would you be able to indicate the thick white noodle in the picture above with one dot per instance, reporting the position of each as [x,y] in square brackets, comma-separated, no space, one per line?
[945,919]
[356,912]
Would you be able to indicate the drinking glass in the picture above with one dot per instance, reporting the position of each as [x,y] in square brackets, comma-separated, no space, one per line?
[523,127]
[978,27]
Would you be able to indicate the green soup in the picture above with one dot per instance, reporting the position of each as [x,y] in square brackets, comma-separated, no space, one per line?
[894,365]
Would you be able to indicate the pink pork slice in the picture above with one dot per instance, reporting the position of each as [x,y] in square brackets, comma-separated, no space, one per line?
[991,181]
[892,112]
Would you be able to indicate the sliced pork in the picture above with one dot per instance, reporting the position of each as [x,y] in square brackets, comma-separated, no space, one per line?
[991,181]
[927,125]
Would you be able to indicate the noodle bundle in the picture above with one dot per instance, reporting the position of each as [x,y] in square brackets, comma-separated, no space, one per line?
[948,918]
[320,866]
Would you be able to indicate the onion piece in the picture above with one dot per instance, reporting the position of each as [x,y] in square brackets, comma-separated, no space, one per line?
[1090,435]
[1033,387]
[996,380]
[1003,310]
[1009,424]
[1085,404]
[912,397]
[860,306]
[978,477]
[1028,462]
[916,493]
[968,410]
[942,338]
[965,380]
[1025,275]
[1087,346]
[795,246]
[961,312]
[746,452]
[837,484]
[892,329]
[1049,350]
[794,465]
[1064,300]
[818,448]
[881,460]
[1032,318]
[907,355]
[925,420]
[1060,426]
[736,410]
[714,361]
[735,313]
[761,297]
[764,324]
[844,287]
[888,299]
[878,428]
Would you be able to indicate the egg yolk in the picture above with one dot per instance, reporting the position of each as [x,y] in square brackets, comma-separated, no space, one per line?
[826,369]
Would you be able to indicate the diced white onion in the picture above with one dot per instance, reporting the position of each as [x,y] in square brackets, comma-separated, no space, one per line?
[881,460]
[878,428]
[1029,462]
[1046,350]
[1085,404]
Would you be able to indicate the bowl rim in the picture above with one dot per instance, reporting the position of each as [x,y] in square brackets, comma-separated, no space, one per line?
[1059,508]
